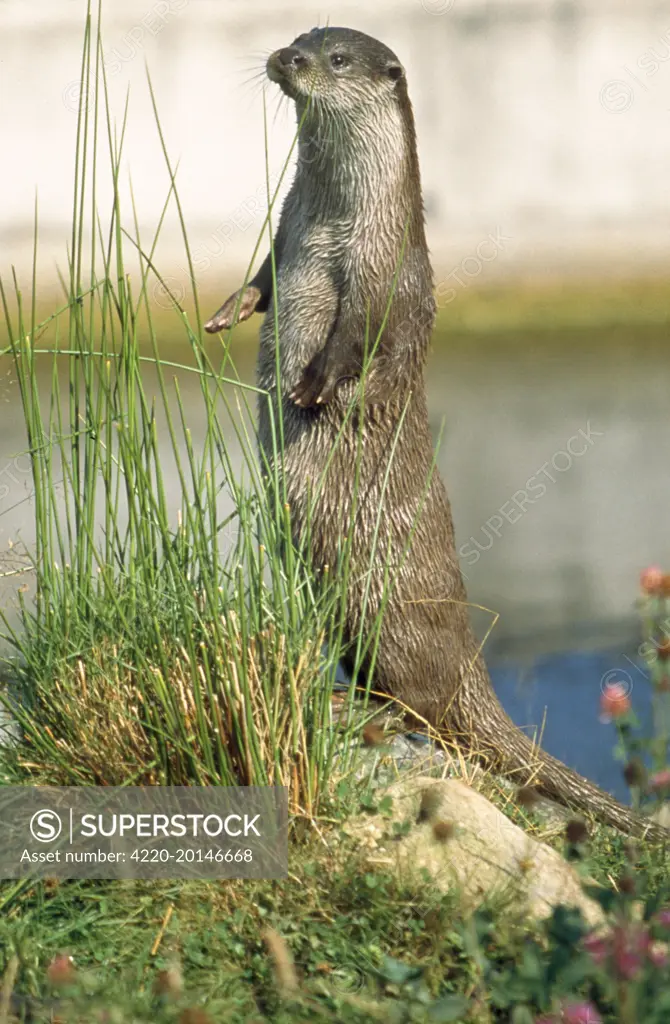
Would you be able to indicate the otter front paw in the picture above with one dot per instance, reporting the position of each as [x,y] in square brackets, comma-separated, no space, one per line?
[248,298]
[318,383]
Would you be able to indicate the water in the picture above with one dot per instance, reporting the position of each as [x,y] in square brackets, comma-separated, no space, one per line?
[562,692]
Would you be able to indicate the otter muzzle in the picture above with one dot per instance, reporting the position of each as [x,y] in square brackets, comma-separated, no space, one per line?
[283,64]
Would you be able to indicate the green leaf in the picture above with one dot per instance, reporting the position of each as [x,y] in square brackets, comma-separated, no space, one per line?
[605,897]
[399,973]
[386,805]
[343,789]
[575,972]
[522,1015]
[531,967]
[449,1008]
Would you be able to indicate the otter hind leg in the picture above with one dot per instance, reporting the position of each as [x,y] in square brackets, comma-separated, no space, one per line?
[327,370]
[321,378]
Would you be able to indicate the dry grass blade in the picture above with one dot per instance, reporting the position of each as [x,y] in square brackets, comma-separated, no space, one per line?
[285,973]
[8,980]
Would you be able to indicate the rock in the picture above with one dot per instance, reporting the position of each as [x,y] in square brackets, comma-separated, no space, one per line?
[9,729]
[399,752]
[484,853]
[662,815]
[398,757]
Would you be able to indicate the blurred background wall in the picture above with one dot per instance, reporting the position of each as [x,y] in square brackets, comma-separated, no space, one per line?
[546,122]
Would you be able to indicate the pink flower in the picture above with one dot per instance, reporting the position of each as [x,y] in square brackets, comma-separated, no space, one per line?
[651,579]
[630,947]
[61,970]
[660,781]
[580,1013]
[658,956]
[598,947]
[573,1013]
[614,701]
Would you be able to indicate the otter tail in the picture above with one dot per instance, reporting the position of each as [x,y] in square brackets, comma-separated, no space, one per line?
[493,737]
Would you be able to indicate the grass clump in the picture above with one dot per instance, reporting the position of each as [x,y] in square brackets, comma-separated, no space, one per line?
[100,721]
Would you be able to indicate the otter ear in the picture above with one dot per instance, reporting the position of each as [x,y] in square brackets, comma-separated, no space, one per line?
[394,71]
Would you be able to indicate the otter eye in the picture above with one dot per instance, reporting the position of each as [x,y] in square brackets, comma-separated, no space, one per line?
[339,60]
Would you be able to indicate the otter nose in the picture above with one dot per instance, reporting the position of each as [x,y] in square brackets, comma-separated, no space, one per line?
[291,57]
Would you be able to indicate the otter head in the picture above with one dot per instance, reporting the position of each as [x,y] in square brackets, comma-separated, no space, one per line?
[357,143]
[340,73]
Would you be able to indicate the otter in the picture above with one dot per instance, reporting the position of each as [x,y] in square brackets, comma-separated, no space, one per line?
[353,309]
